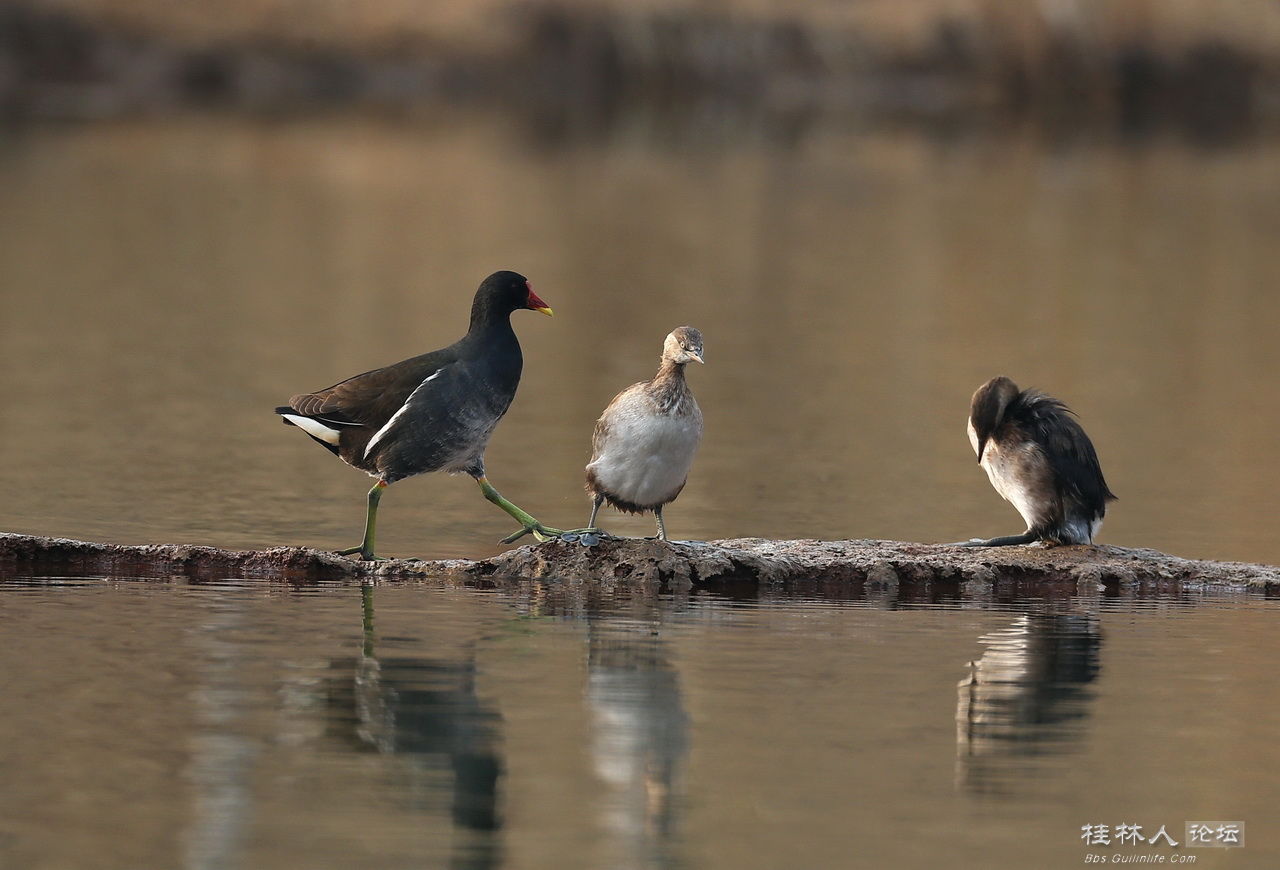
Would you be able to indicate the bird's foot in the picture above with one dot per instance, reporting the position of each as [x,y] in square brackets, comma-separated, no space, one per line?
[540,532]
[588,537]
[1026,537]
[366,555]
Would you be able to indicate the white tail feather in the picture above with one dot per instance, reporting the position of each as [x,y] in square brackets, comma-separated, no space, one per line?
[314,428]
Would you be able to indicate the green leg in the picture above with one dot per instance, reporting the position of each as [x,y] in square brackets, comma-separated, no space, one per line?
[595,509]
[370,522]
[662,527]
[529,523]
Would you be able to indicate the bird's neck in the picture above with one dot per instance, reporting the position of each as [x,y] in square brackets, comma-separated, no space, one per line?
[488,329]
[669,370]
[485,316]
[668,387]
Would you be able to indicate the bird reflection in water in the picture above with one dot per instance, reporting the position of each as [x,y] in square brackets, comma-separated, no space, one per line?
[423,711]
[640,740]
[1024,699]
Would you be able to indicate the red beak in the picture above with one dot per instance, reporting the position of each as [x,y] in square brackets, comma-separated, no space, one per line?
[536,303]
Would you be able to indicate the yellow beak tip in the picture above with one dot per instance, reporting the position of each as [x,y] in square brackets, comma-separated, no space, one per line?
[546,311]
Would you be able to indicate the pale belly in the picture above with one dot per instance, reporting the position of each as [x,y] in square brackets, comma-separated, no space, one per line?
[1022,477]
[1019,477]
[646,462]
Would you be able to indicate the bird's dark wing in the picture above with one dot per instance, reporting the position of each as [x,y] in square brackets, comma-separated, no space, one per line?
[372,398]
[1072,453]
[445,422]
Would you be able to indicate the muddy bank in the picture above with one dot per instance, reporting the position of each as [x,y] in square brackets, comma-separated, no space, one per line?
[89,58]
[744,564]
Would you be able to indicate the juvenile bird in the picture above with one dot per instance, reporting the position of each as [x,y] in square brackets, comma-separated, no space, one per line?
[431,412]
[1040,460]
[644,442]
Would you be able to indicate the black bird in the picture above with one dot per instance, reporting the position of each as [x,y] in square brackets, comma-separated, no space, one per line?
[431,412]
[1040,460]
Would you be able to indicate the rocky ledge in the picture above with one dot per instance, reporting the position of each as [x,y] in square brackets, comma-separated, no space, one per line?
[844,566]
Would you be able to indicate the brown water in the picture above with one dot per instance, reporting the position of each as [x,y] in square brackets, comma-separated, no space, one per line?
[164,284]
[245,725]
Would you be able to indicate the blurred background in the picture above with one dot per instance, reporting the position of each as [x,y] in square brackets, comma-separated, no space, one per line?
[869,208]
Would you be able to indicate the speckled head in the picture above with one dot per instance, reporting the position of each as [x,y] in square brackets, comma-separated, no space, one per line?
[986,411]
[683,345]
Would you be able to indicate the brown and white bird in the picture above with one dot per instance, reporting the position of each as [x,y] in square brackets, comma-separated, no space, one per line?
[644,442]
[1041,461]
[432,412]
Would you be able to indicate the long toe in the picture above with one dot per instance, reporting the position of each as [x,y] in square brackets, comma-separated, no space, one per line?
[540,533]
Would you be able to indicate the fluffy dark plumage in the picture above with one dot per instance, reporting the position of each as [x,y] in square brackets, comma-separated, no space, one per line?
[1039,458]
[1050,423]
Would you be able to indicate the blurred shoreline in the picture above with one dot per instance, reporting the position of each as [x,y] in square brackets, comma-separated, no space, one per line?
[1061,65]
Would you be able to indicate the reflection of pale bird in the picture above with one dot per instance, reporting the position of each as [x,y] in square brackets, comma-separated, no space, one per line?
[644,442]
[640,739]
[1039,459]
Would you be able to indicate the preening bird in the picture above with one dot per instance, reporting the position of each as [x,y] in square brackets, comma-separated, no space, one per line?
[644,442]
[432,412]
[1039,459]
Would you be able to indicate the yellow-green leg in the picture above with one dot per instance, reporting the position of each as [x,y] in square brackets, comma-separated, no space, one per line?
[529,525]
[370,523]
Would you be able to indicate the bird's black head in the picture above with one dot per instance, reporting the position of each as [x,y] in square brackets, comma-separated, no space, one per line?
[986,411]
[504,292]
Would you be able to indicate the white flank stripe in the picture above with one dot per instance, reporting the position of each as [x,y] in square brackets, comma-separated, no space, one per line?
[377,436]
[314,428]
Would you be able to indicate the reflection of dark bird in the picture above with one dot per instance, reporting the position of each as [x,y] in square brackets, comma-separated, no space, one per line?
[422,712]
[432,412]
[1040,460]
[416,708]
[644,442]
[1025,696]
